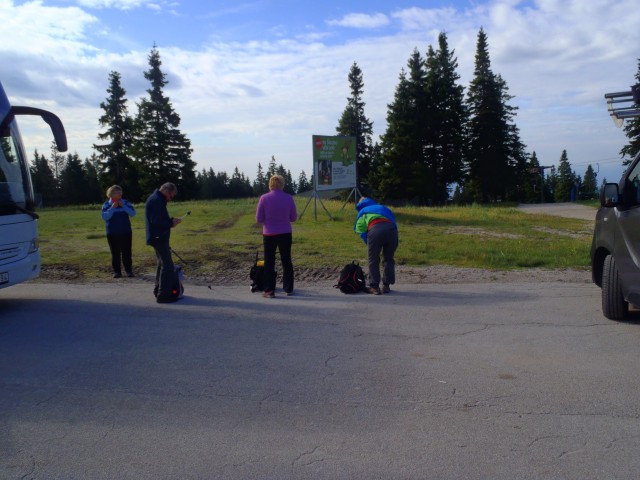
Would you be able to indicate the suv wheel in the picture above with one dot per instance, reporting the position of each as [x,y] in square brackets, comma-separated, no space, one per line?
[614,306]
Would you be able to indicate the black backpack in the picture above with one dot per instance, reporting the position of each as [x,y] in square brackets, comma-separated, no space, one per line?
[256,275]
[351,279]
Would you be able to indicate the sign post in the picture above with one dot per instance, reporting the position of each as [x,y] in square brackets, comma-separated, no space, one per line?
[334,167]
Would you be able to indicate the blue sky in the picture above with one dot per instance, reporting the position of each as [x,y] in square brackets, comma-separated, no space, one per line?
[258,78]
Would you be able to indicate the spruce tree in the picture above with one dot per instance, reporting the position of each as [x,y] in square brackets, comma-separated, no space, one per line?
[446,119]
[57,162]
[93,191]
[534,187]
[162,150]
[354,123]
[44,183]
[303,183]
[590,184]
[565,180]
[494,146]
[261,183]
[273,169]
[72,181]
[116,165]
[632,131]
[397,146]
[403,171]
[289,185]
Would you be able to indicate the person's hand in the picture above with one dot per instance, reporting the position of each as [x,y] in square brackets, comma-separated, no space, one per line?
[176,221]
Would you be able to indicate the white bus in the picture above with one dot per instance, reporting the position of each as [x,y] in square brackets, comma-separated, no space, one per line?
[19,253]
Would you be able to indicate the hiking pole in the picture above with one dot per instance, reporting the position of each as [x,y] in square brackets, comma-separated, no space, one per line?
[179,257]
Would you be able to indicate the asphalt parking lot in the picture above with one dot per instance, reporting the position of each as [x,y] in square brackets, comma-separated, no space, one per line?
[475,381]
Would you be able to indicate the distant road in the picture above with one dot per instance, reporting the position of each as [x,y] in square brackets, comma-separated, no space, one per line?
[570,210]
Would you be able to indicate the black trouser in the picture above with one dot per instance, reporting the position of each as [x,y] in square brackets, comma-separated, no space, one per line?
[283,243]
[382,237]
[165,273]
[120,246]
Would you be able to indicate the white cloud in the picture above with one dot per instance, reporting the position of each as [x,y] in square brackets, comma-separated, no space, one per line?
[242,102]
[361,20]
[119,4]
[425,19]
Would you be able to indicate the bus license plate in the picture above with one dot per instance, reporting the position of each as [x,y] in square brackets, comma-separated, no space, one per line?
[4,277]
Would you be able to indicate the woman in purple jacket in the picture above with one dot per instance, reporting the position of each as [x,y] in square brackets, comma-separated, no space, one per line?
[276,210]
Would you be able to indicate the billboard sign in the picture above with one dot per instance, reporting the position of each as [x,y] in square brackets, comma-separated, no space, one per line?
[334,162]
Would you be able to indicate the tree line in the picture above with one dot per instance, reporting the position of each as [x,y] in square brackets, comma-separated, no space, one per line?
[439,138]
[140,153]
[440,144]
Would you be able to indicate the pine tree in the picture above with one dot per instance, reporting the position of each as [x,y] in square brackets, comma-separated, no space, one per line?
[403,170]
[44,183]
[303,183]
[57,162]
[446,119]
[494,146]
[239,185]
[534,187]
[632,131]
[163,151]
[565,181]
[550,185]
[273,169]
[354,123]
[72,181]
[289,185]
[590,184]
[398,146]
[261,183]
[117,167]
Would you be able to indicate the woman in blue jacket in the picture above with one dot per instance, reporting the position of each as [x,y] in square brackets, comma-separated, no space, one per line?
[116,212]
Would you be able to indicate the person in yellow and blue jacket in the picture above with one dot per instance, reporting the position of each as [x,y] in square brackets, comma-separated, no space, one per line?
[377,227]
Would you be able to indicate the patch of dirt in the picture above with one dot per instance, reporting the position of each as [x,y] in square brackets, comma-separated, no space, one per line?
[438,274]
[480,232]
[325,277]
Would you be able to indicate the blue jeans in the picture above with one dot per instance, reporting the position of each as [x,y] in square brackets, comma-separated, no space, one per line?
[283,243]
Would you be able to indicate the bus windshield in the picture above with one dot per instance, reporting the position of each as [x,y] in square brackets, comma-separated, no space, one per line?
[15,180]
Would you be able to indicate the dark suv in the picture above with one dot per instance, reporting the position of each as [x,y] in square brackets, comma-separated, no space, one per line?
[615,250]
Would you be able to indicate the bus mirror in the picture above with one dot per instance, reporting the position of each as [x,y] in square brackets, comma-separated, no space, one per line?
[52,120]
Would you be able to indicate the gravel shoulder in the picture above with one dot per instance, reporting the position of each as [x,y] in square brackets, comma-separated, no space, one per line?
[569,210]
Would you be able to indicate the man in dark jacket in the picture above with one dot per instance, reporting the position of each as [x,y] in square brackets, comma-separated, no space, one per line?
[377,227]
[158,226]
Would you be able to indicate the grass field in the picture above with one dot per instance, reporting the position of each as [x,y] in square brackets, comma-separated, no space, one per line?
[223,234]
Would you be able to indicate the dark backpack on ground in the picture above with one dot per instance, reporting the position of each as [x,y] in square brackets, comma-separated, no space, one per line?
[256,275]
[177,290]
[351,279]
